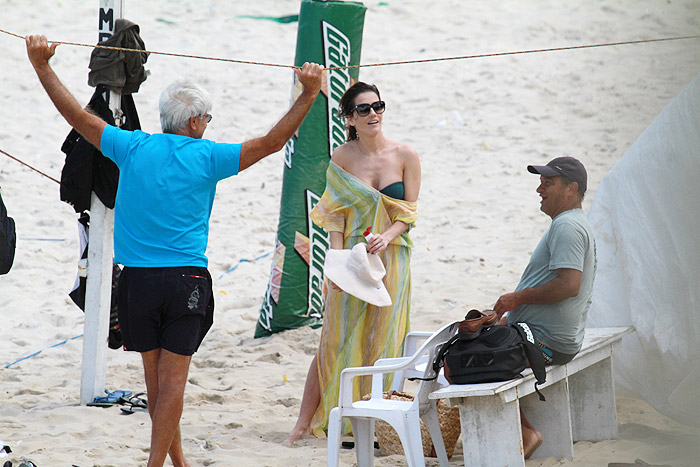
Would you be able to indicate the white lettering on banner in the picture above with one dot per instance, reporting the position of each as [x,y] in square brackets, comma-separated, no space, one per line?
[318,245]
[336,49]
[528,332]
[288,153]
[267,311]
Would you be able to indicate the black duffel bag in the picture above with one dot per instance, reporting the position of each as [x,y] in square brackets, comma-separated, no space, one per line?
[498,353]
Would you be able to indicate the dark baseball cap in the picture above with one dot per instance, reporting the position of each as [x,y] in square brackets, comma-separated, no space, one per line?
[566,166]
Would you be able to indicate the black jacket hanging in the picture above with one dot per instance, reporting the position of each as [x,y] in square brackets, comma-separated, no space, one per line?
[86,169]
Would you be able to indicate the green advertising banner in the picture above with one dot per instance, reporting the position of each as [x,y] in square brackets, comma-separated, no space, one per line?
[330,33]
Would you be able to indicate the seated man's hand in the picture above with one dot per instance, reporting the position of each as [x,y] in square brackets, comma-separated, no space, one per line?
[506,302]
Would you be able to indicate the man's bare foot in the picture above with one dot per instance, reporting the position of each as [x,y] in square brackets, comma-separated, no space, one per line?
[297,433]
[532,439]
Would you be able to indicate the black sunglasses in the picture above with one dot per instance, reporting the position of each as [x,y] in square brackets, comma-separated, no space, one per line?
[363,109]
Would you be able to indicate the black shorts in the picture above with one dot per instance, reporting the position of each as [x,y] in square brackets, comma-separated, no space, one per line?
[552,357]
[169,308]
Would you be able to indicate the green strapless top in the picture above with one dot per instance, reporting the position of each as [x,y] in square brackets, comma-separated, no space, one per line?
[394,190]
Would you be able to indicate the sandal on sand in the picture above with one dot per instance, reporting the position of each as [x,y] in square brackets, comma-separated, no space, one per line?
[132,409]
[135,403]
[112,398]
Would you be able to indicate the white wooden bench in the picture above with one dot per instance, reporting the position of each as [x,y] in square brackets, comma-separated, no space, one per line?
[580,406]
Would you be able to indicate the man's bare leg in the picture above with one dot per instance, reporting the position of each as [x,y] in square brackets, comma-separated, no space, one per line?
[166,376]
[532,439]
[309,404]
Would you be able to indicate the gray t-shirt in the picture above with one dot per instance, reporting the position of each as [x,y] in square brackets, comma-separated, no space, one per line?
[568,244]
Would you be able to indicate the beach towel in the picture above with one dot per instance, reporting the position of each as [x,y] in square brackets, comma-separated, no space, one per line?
[354,332]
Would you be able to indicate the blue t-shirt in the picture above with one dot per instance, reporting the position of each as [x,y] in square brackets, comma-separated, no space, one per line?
[166,191]
[568,244]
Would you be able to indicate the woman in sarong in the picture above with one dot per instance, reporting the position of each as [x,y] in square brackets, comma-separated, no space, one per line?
[371,181]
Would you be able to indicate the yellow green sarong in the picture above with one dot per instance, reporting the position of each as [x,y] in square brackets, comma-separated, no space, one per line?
[354,332]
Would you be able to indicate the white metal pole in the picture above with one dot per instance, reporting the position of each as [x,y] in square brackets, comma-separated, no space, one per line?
[100,252]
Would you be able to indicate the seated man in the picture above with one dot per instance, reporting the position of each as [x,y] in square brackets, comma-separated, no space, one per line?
[555,289]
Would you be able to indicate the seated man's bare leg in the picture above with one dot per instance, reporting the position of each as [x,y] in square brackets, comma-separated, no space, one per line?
[309,404]
[532,439]
[166,376]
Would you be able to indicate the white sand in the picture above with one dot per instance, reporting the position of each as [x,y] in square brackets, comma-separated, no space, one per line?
[476,123]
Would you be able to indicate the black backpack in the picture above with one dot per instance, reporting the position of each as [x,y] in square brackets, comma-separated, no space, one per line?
[498,353]
[8,239]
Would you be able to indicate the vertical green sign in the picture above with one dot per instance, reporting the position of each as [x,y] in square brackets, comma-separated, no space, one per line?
[330,33]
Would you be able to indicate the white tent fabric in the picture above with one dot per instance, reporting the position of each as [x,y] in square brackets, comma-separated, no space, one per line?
[646,219]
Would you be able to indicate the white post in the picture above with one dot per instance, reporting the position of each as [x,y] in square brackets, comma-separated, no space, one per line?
[100,252]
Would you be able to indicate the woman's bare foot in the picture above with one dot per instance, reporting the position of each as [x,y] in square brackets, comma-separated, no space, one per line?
[532,439]
[296,433]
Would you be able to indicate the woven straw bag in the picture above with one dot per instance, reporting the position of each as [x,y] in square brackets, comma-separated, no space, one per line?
[388,439]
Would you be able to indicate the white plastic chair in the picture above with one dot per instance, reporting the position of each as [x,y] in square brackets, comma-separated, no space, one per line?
[403,416]
[410,346]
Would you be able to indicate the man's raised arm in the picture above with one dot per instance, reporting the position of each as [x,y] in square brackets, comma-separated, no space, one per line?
[85,123]
[311,77]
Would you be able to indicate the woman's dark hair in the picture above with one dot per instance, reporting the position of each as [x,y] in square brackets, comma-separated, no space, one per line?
[347,103]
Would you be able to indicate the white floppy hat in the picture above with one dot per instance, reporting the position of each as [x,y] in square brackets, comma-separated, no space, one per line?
[358,273]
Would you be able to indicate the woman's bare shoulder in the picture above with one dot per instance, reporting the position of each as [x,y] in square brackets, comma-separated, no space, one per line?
[405,151]
[343,154]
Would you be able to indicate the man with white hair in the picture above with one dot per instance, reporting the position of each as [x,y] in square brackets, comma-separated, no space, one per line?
[166,191]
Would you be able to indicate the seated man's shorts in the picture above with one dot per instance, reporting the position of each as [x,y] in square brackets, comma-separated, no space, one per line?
[552,357]
[169,308]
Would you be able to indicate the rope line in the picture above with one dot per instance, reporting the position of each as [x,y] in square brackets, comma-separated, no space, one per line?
[519,52]
[27,165]
[171,54]
[368,65]
[403,62]
[244,260]
[41,350]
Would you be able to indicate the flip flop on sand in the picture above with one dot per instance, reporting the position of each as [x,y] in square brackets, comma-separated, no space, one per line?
[110,399]
[134,403]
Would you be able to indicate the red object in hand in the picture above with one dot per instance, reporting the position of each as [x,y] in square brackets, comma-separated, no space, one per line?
[367,231]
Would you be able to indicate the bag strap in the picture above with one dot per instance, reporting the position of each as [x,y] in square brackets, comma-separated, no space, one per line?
[438,362]
[534,355]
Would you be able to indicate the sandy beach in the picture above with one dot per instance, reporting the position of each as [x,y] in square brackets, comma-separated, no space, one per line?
[476,123]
